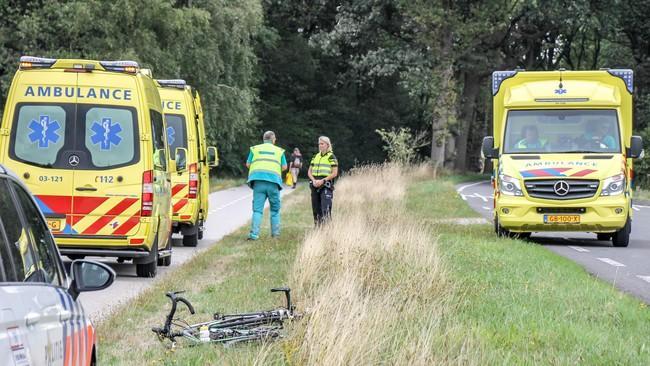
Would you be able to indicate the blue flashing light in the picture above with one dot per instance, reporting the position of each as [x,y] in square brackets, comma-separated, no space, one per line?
[627,75]
[173,83]
[31,62]
[498,77]
[120,66]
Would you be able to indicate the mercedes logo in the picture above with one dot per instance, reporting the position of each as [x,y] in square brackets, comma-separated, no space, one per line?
[561,188]
[73,160]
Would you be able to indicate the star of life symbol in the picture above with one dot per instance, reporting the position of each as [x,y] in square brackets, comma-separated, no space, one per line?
[106,134]
[560,91]
[44,131]
[170,135]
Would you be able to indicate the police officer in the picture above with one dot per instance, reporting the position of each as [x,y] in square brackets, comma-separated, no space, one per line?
[265,165]
[322,171]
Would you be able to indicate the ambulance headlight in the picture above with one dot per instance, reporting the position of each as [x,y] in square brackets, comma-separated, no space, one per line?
[613,185]
[509,186]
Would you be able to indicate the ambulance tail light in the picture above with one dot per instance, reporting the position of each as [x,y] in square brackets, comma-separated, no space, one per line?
[130,67]
[29,62]
[194,181]
[147,193]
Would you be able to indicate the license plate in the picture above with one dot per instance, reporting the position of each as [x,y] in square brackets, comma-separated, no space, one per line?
[561,219]
[54,225]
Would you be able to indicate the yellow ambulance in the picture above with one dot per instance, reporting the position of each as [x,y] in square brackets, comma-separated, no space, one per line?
[562,148]
[187,140]
[88,139]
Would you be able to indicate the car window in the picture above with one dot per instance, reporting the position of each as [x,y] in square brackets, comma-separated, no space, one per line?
[42,239]
[110,136]
[176,131]
[157,131]
[39,133]
[21,257]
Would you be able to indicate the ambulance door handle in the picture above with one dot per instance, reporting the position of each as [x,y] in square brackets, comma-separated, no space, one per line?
[86,189]
[32,318]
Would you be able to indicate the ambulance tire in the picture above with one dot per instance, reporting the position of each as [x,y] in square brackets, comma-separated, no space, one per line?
[621,238]
[149,270]
[191,240]
[500,231]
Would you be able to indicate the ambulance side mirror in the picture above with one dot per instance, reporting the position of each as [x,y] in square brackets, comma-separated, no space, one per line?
[181,159]
[636,147]
[488,148]
[213,156]
[89,276]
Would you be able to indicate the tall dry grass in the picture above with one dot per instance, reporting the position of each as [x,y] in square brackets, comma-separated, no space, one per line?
[371,281]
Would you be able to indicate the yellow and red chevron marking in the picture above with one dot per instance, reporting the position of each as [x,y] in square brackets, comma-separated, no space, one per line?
[556,172]
[105,216]
[180,192]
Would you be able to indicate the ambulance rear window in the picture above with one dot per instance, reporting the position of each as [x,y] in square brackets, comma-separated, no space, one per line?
[176,131]
[109,136]
[39,133]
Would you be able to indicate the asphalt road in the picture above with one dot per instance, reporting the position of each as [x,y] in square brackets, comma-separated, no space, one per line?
[627,268]
[229,210]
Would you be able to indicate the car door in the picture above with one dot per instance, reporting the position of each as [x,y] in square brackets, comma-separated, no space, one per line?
[31,303]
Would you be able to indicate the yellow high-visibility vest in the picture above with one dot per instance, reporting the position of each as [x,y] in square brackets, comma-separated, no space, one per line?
[267,158]
[321,166]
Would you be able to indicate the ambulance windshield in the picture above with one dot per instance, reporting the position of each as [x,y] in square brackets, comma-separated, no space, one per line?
[562,131]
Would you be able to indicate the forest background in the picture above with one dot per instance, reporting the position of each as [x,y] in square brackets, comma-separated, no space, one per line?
[415,70]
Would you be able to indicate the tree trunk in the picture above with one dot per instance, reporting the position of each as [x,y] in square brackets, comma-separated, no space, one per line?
[466,119]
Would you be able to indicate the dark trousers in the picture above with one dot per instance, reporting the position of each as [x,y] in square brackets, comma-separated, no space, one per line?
[321,204]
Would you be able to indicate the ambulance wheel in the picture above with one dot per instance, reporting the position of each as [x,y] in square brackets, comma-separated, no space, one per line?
[604,236]
[621,238]
[191,240]
[500,231]
[149,270]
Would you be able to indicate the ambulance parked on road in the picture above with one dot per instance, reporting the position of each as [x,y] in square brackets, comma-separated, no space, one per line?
[187,140]
[88,139]
[562,150]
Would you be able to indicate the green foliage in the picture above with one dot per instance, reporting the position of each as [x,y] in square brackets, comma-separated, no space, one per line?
[401,144]
[211,44]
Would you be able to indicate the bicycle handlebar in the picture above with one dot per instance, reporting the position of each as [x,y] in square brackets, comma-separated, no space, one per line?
[287,295]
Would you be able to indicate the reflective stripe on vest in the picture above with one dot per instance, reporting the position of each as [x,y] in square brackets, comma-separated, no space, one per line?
[267,158]
[320,165]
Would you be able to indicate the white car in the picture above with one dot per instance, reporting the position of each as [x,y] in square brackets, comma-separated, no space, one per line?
[41,320]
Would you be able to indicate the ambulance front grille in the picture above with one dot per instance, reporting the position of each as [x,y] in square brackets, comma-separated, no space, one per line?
[546,188]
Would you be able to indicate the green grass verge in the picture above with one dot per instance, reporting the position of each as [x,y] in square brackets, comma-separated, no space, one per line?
[524,304]
[221,183]
[234,275]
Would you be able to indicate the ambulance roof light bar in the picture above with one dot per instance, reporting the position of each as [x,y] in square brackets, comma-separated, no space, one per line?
[173,83]
[498,77]
[120,66]
[30,62]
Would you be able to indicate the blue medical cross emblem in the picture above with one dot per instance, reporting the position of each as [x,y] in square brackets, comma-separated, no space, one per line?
[560,91]
[106,134]
[170,135]
[44,131]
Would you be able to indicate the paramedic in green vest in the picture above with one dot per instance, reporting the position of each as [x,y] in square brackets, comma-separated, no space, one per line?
[265,164]
[531,140]
[322,171]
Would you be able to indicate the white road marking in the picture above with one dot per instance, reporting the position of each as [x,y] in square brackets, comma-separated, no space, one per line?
[579,249]
[460,189]
[487,208]
[611,262]
[481,197]
[464,197]
[645,278]
[642,206]
[235,201]
[636,208]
